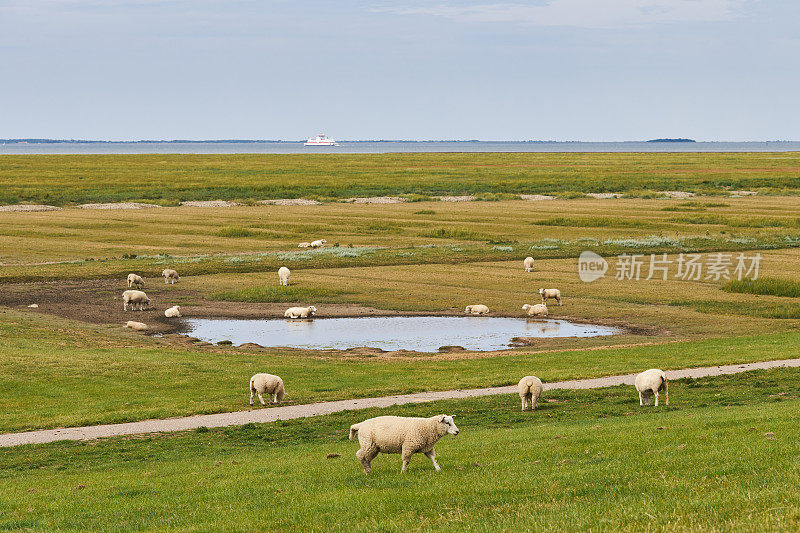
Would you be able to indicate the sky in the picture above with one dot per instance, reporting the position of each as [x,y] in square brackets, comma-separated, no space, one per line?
[591,70]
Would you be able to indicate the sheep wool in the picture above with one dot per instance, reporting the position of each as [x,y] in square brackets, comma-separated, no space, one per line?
[261,384]
[477,309]
[530,388]
[137,326]
[649,383]
[304,245]
[528,264]
[403,435]
[300,312]
[317,243]
[283,275]
[137,300]
[170,276]
[535,310]
[135,280]
[173,312]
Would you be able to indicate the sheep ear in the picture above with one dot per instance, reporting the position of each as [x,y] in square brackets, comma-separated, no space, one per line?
[452,416]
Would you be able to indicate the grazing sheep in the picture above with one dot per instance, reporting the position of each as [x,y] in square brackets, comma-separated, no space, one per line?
[535,310]
[283,275]
[170,276]
[397,434]
[530,388]
[546,294]
[304,245]
[528,263]
[300,312]
[318,243]
[136,299]
[173,312]
[477,309]
[649,383]
[138,326]
[136,280]
[266,384]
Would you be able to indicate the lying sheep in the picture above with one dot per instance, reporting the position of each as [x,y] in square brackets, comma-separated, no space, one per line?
[535,310]
[546,294]
[304,245]
[266,384]
[283,275]
[649,383]
[136,280]
[477,309]
[530,388]
[317,244]
[528,264]
[137,326]
[397,434]
[300,312]
[170,276]
[173,312]
[136,299]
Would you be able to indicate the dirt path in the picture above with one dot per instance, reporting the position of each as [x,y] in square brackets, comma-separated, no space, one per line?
[315,409]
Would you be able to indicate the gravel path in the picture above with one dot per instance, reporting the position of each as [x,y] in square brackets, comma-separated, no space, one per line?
[315,409]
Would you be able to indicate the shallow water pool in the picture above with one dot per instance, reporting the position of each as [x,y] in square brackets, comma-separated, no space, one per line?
[418,333]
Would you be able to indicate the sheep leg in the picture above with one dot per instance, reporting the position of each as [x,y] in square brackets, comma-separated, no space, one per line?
[641,403]
[558,300]
[406,459]
[261,399]
[666,393]
[523,403]
[432,456]
[656,394]
[365,458]
[251,396]
[275,398]
[535,402]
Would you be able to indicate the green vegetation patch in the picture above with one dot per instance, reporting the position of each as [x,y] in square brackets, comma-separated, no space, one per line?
[743,308]
[279,293]
[768,286]
[235,231]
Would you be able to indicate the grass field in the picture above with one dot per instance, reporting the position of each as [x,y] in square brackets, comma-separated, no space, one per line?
[722,457]
[169,178]
[587,460]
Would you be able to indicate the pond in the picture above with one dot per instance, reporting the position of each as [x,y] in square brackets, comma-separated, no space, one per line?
[418,333]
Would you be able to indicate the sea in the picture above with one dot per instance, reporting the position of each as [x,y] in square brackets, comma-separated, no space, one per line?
[384,147]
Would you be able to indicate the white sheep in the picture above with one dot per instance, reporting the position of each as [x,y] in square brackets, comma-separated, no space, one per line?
[477,309]
[398,434]
[528,264]
[546,294]
[267,384]
[137,326]
[318,243]
[300,312]
[136,299]
[535,310]
[649,383]
[173,312]
[283,275]
[170,276]
[136,280]
[530,388]
[304,245]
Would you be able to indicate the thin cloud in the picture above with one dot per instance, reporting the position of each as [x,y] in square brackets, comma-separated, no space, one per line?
[585,13]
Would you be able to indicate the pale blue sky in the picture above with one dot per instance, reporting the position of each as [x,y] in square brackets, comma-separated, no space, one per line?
[545,69]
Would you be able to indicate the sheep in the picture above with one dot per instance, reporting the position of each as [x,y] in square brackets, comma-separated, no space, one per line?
[173,312]
[528,264]
[649,383]
[300,312]
[134,279]
[267,384]
[546,294]
[530,388]
[477,309]
[535,310]
[283,275]
[397,434]
[136,299]
[318,243]
[304,245]
[170,276]
[137,326]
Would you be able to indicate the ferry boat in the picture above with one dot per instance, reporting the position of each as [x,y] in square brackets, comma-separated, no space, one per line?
[320,140]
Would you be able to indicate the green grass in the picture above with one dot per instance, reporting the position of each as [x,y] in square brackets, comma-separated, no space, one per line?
[594,222]
[272,293]
[764,285]
[235,231]
[167,178]
[588,460]
[783,311]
